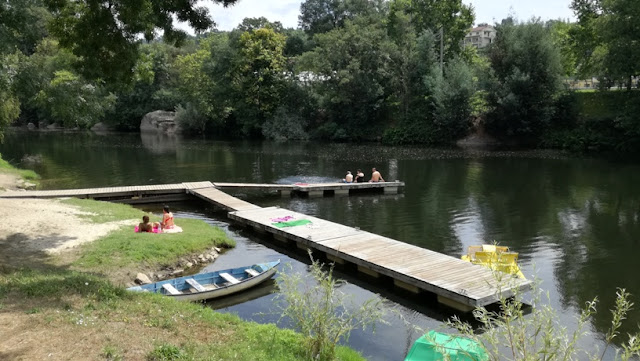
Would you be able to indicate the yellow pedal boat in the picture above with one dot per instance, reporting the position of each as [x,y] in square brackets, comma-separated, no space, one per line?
[497,258]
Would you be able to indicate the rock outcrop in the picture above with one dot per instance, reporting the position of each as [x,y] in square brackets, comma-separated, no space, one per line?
[159,121]
[101,128]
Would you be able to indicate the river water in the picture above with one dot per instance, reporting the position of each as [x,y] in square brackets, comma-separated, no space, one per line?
[574,221]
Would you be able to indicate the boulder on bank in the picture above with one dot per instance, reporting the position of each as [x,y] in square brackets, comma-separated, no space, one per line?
[54,126]
[159,121]
[101,128]
[31,126]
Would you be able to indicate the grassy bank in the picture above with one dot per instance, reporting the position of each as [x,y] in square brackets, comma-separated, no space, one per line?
[26,174]
[73,311]
[75,315]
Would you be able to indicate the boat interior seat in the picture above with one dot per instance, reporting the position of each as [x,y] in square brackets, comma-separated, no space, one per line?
[229,278]
[471,251]
[170,289]
[252,272]
[195,284]
[484,257]
[508,257]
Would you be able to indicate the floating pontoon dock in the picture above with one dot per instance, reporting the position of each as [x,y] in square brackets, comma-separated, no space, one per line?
[456,283]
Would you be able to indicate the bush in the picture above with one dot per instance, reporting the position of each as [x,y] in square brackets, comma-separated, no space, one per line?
[321,312]
[285,126]
[512,334]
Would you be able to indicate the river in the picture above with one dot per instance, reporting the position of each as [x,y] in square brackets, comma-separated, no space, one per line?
[574,221]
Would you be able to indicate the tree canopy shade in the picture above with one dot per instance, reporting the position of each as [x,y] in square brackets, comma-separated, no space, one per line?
[104,34]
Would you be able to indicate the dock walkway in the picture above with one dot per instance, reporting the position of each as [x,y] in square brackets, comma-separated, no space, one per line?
[456,283]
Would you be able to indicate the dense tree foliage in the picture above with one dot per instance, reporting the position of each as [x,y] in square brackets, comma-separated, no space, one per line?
[104,35]
[395,71]
[527,79]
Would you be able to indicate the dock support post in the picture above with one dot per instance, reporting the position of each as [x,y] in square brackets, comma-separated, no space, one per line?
[280,238]
[406,286]
[335,259]
[284,193]
[455,304]
[315,194]
[390,190]
[368,271]
[341,192]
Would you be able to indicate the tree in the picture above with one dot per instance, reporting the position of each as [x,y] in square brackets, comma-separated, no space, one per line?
[321,16]
[73,102]
[22,25]
[527,72]
[349,73]
[606,39]
[105,34]
[452,16]
[249,24]
[9,103]
[259,76]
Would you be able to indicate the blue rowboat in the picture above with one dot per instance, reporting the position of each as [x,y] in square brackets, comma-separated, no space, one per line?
[209,285]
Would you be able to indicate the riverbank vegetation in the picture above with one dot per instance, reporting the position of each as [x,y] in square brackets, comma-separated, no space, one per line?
[26,174]
[72,304]
[394,71]
[77,315]
[534,331]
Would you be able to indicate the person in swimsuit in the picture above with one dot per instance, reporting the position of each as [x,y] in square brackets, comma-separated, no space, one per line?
[145,226]
[359,177]
[167,218]
[375,176]
[349,177]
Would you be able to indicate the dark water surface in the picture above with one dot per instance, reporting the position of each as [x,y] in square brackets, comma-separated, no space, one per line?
[574,221]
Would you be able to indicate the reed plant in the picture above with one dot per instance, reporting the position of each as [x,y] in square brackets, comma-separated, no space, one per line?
[523,332]
[321,311]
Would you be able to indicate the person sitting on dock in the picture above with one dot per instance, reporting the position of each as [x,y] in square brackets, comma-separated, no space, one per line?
[359,177]
[375,176]
[145,226]
[349,177]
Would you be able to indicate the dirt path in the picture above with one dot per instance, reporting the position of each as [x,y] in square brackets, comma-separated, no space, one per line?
[8,181]
[33,229]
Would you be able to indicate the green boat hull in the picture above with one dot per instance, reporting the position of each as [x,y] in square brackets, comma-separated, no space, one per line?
[436,346]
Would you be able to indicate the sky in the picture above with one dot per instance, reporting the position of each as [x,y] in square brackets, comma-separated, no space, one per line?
[487,11]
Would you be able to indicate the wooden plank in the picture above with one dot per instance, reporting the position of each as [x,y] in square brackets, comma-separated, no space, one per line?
[252,272]
[229,278]
[195,284]
[172,290]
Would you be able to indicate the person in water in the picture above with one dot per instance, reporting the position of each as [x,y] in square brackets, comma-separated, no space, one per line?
[349,177]
[375,176]
[359,177]
[145,226]
[167,218]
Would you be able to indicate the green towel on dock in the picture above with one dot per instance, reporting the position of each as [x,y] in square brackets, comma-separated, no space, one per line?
[299,222]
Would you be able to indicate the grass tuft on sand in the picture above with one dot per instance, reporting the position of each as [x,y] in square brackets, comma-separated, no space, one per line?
[116,324]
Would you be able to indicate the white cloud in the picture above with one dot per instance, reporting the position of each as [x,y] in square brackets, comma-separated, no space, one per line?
[286,11]
[492,11]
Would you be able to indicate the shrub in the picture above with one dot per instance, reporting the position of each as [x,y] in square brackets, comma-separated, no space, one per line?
[511,334]
[321,312]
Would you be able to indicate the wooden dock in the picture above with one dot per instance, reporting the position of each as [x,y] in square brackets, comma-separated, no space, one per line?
[316,189]
[456,283]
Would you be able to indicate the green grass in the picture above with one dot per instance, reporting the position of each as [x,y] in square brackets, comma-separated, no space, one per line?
[157,326]
[124,247]
[604,104]
[103,212]
[27,174]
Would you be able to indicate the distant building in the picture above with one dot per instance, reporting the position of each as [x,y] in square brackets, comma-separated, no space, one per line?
[480,36]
